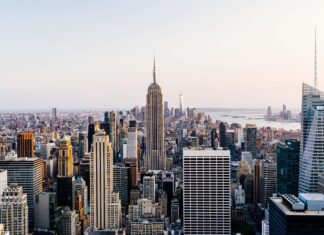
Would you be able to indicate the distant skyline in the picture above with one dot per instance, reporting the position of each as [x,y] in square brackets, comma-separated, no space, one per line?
[99,54]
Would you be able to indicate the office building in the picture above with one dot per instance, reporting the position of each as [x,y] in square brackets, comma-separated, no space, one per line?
[65,179]
[154,119]
[28,173]
[122,183]
[206,191]
[181,108]
[91,132]
[47,214]
[54,114]
[312,129]
[175,212]
[267,181]
[65,159]
[25,145]
[222,135]
[145,227]
[3,181]
[290,215]
[45,150]
[82,188]
[132,140]
[288,167]
[149,188]
[250,139]
[102,200]
[14,210]
[68,221]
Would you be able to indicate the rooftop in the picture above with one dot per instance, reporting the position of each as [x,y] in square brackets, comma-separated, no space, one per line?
[279,202]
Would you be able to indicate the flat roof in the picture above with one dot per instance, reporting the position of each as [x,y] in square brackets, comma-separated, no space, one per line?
[207,152]
[288,212]
[312,196]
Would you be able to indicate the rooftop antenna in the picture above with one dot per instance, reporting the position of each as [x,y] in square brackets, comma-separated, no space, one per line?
[315,63]
[154,76]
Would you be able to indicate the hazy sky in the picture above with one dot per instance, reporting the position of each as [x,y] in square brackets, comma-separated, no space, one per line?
[84,54]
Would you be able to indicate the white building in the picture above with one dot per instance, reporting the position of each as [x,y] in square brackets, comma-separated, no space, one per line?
[14,210]
[132,140]
[3,181]
[265,227]
[102,200]
[206,192]
[68,221]
[149,188]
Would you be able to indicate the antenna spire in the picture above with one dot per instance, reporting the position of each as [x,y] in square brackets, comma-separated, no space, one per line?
[315,63]
[154,76]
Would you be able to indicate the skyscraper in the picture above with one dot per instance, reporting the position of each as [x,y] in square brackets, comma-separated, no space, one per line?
[312,127]
[14,210]
[28,173]
[25,145]
[250,139]
[206,192]
[155,153]
[65,177]
[102,198]
[222,135]
[65,159]
[288,167]
[132,140]
[149,188]
[181,104]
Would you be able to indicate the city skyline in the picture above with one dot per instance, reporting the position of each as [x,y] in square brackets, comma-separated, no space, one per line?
[237,46]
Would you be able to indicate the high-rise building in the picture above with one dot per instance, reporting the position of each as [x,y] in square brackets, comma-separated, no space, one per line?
[14,210]
[54,114]
[122,183]
[256,183]
[65,191]
[65,159]
[267,181]
[91,132]
[45,150]
[68,222]
[222,135]
[290,215]
[288,167]
[206,191]
[65,178]
[82,188]
[25,145]
[250,139]
[312,128]
[154,118]
[3,181]
[47,214]
[102,200]
[213,137]
[28,173]
[149,187]
[175,213]
[113,133]
[132,140]
[142,227]
[181,108]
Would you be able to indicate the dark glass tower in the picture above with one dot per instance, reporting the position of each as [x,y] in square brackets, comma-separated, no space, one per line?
[288,167]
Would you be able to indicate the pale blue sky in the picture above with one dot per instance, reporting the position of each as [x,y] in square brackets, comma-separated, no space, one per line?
[83,54]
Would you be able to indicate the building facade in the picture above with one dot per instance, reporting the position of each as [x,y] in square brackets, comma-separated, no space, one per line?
[206,191]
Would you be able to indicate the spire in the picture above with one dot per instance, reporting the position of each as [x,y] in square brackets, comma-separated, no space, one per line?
[315,63]
[154,76]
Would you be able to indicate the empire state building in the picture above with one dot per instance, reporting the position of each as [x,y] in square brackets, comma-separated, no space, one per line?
[154,115]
